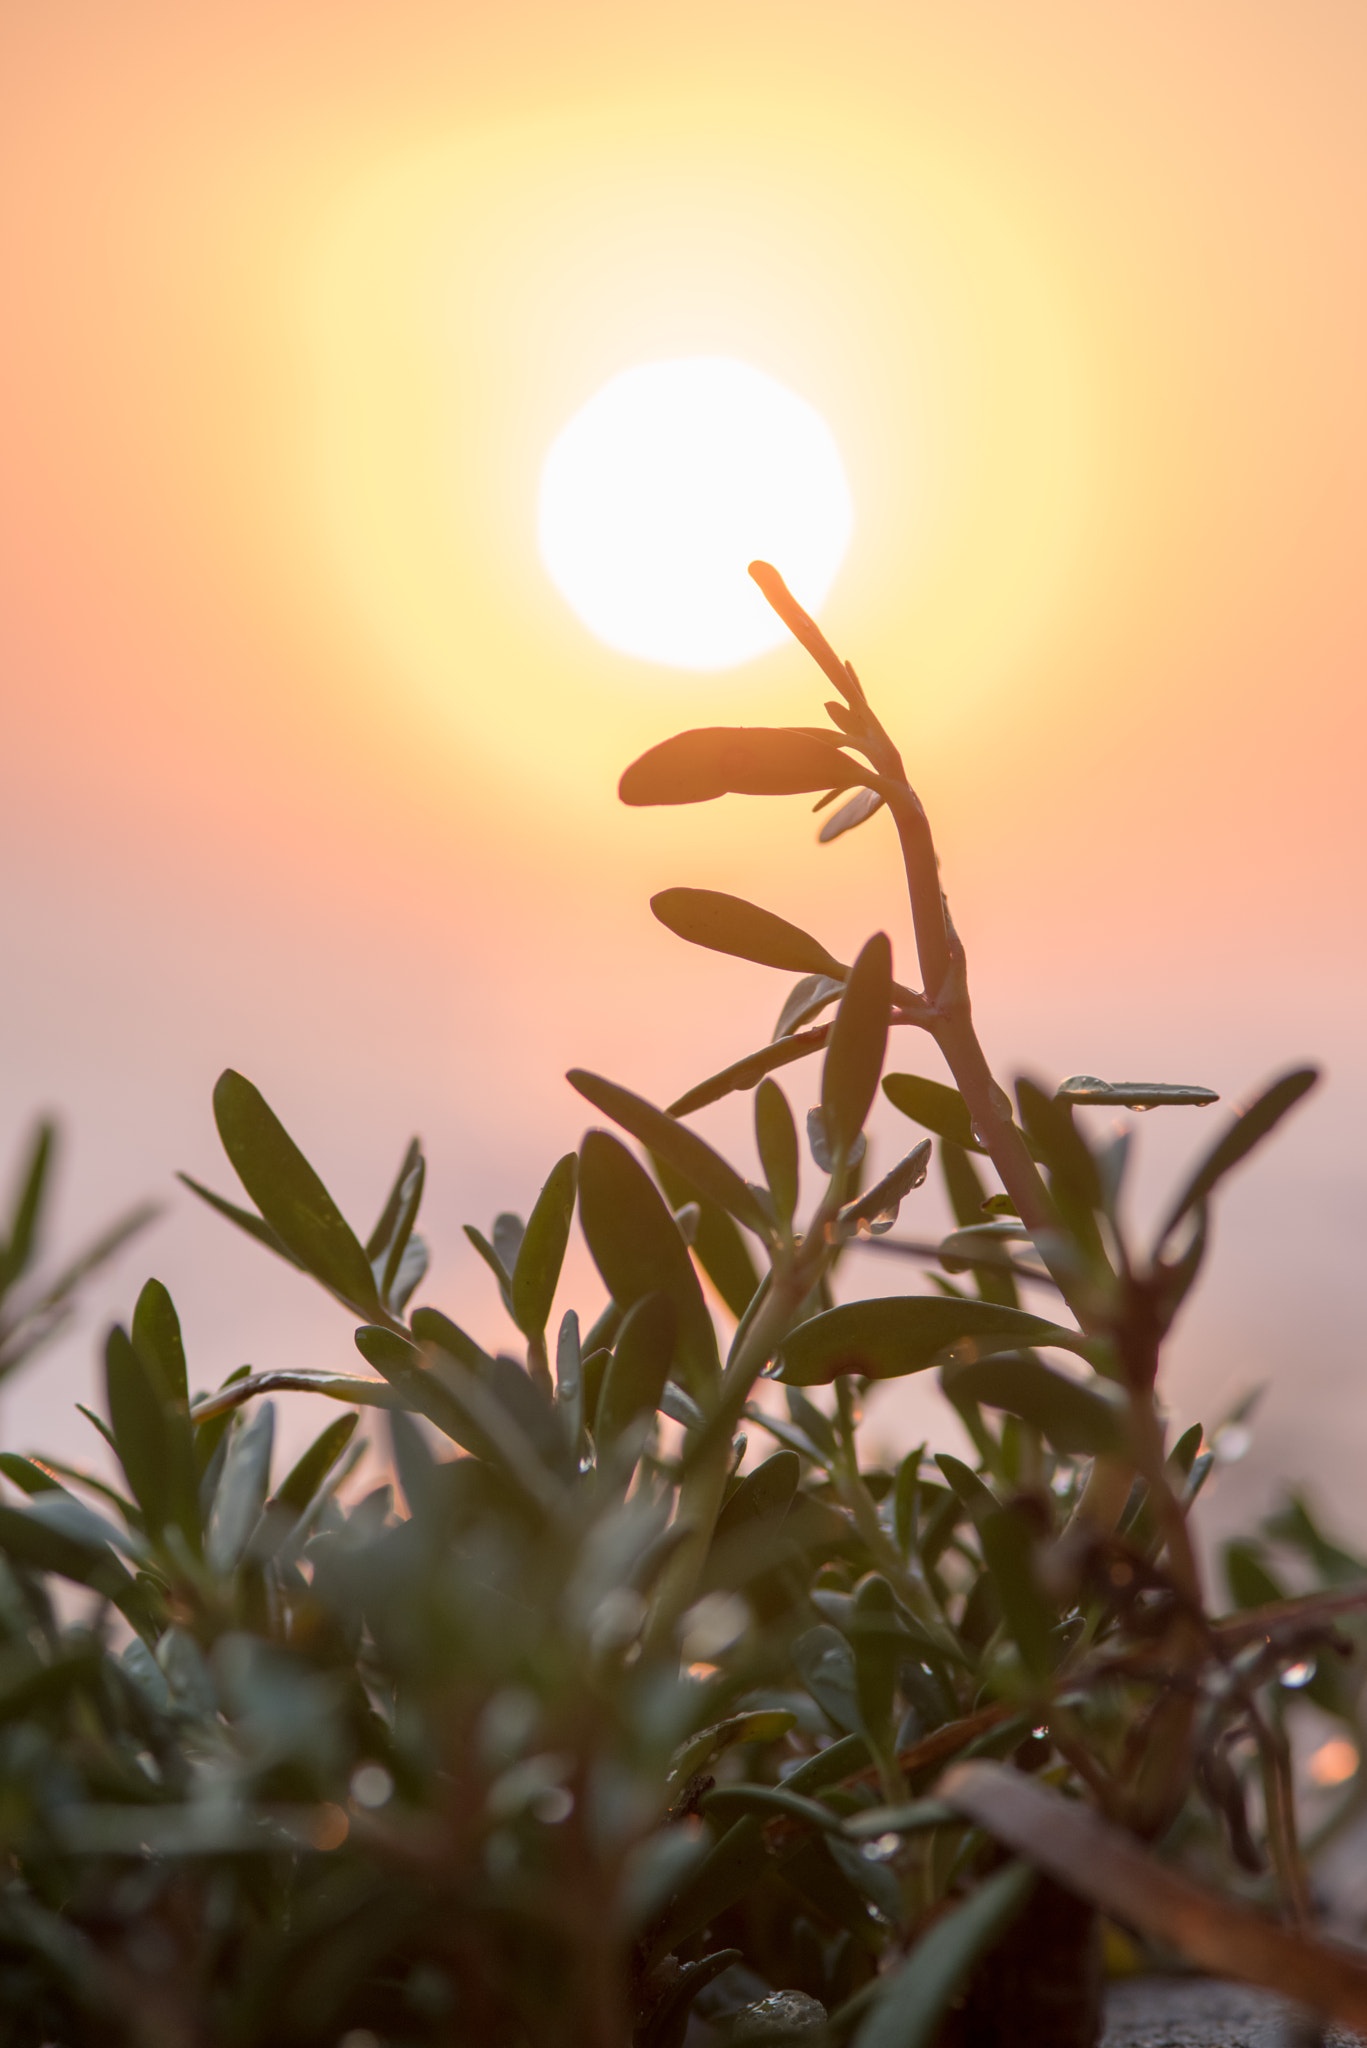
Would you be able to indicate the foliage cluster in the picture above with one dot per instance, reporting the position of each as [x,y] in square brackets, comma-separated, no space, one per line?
[592,1733]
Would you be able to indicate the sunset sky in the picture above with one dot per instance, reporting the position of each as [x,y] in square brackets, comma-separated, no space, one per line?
[310,770]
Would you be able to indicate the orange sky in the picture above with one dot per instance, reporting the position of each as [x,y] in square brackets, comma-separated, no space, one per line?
[310,771]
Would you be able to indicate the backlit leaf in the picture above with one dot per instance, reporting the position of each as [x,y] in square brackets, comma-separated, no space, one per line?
[637,1248]
[728,924]
[934,1106]
[776,1138]
[694,767]
[805,1000]
[635,1378]
[889,1336]
[289,1194]
[541,1254]
[691,1155]
[1249,1128]
[745,1073]
[859,1037]
[1078,1420]
[850,814]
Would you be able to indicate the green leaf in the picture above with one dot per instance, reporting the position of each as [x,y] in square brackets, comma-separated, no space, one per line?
[978,1498]
[157,1341]
[401,1260]
[27,1476]
[430,1326]
[745,1073]
[764,1495]
[569,1379]
[21,1242]
[1249,1128]
[139,1425]
[289,1194]
[689,1154]
[1085,1088]
[1008,1541]
[767,1802]
[242,1489]
[1057,1140]
[859,1037]
[718,1245]
[297,1489]
[934,1106]
[746,760]
[880,1647]
[1250,1582]
[255,1226]
[382,1236]
[911,1819]
[891,1335]
[398,1361]
[914,2001]
[825,1663]
[85,1558]
[493,1262]
[878,1206]
[1079,1420]
[805,1001]
[635,1378]
[637,1248]
[776,1138]
[760,1724]
[728,924]
[541,1253]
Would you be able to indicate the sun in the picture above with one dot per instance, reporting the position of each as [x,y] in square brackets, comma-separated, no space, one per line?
[663,487]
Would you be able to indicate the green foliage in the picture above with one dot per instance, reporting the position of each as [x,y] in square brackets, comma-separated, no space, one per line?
[581,1723]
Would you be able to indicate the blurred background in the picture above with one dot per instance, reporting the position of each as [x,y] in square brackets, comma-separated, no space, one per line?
[309,769]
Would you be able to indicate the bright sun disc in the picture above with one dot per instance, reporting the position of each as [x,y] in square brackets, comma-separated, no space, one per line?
[666,485]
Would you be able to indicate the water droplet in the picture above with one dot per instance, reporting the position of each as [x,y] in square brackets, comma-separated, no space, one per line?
[1232,1442]
[1297,1675]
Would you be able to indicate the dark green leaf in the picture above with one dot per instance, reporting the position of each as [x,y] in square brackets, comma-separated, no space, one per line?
[157,1341]
[764,1495]
[1008,1541]
[1060,1144]
[18,1250]
[430,1326]
[891,1335]
[745,1073]
[914,2000]
[689,1154]
[298,1488]
[911,1819]
[1079,1420]
[569,1384]
[728,924]
[776,1137]
[423,1389]
[825,1664]
[880,1645]
[978,1498]
[718,1245]
[29,1478]
[637,1248]
[541,1254]
[139,1424]
[402,1260]
[748,760]
[289,1194]
[635,1379]
[1249,1128]
[934,1106]
[1250,1582]
[767,1802]
[859,1037]
[255,1226]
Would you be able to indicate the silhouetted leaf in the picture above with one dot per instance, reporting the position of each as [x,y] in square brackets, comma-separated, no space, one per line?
[859,1036]
[684,1149]
[767,1802]
[383,1233]
[289,1194]
[764,1495]
[776,1138]
[430,1326]
[255,1226]
[718,1245]
[750,760]
[635,1378]
[1249,1128]
[139,1427]
[891,1335]
[637,1248]
[493,1262]
[933,1106]
[745,1073]
[541,1254]
[728,924]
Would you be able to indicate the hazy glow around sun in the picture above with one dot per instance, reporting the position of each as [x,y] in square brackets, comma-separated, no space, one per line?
[660,491]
